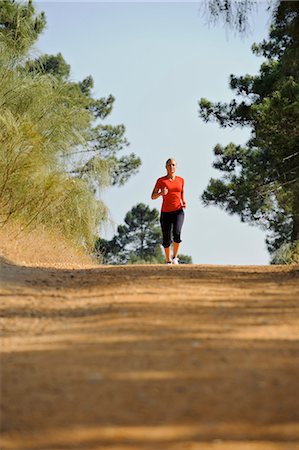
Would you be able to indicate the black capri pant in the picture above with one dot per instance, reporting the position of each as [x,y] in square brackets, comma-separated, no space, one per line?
[171,221]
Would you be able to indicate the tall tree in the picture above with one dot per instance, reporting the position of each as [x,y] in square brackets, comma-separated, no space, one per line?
[138,240]
[39,121]
[46,121]
[261,180]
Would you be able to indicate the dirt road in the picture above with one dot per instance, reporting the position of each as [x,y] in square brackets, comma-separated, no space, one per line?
[150,357]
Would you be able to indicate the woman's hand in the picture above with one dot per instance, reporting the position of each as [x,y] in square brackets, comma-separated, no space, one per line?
[159,192]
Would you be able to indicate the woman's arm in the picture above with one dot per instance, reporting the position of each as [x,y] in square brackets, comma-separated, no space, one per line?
[157,192]
[183,199]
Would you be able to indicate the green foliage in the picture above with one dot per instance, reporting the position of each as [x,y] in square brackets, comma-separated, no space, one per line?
[20,25]
[260,181]
[99,163]
[39,122]
[138,241]
[54,156]
[185,259]
[287,254]
[50,64]
[235,14]
[153,259]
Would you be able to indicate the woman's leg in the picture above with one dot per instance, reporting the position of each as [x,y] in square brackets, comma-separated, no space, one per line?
[166,231]
[176,246]
[177,227]
[167,254]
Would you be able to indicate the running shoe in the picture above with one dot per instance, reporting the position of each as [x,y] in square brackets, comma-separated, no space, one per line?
[168,262]
[175,261]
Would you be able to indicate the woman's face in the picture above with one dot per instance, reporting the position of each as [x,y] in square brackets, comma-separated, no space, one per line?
[171,167]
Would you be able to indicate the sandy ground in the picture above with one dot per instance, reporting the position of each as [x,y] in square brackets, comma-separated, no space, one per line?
[150,357]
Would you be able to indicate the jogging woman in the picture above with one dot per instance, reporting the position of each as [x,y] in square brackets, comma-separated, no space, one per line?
[171,189]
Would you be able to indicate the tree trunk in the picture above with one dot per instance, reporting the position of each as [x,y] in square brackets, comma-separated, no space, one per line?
[295,231]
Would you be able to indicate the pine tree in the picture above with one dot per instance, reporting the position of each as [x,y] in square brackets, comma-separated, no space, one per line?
[260,181]
[46,121]
[137,241]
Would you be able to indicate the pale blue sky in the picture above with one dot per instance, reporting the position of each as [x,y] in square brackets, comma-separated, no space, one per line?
[158,59]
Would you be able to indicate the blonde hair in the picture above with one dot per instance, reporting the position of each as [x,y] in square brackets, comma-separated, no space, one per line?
[168,161]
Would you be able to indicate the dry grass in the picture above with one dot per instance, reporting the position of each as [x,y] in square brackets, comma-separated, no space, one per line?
[42,248]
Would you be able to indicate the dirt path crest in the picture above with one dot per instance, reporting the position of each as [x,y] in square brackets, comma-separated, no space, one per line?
[150,357]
